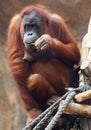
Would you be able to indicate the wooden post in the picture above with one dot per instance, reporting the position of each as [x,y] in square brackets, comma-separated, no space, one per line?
[79,110]
[83,96]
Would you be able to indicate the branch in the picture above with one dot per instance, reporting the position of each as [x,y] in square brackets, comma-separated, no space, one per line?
[83,96]
[77,109]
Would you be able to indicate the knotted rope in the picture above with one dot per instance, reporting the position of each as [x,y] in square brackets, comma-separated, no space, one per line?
[41,122]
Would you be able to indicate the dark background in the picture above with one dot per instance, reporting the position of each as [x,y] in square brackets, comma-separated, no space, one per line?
[76,14]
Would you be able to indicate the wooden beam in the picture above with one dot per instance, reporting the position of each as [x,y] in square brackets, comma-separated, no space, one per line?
[79,110]
[83,96]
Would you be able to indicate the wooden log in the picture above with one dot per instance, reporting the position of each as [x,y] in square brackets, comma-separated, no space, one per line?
[79,110]
[83,96]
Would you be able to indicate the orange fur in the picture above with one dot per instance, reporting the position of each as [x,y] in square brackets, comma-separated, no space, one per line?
[48,77]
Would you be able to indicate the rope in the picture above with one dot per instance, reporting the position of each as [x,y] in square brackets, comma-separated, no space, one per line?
[60,111]
[48,110]
[42,120]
